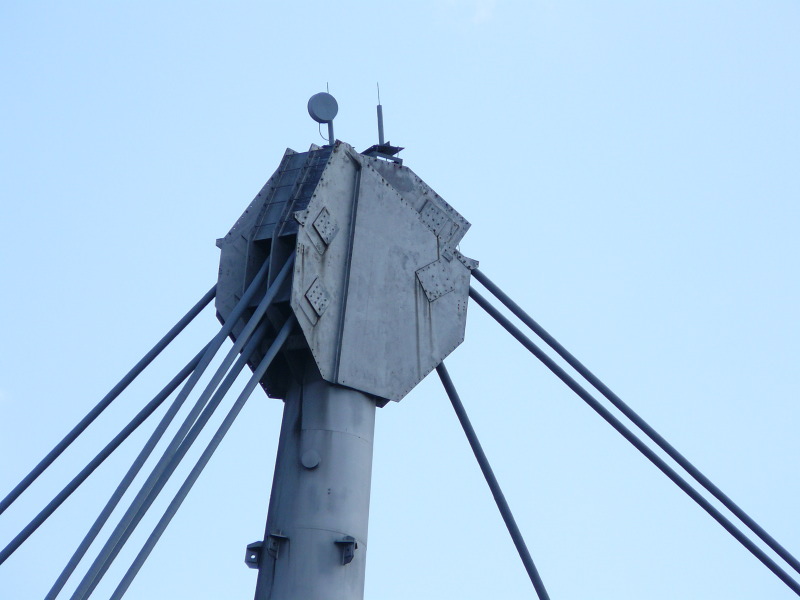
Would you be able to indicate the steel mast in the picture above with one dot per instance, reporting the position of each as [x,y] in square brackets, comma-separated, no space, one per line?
[380,295]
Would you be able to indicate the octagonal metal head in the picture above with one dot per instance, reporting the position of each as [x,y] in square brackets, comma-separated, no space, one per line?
[379,289]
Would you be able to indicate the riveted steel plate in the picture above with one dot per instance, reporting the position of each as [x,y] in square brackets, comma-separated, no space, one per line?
[325,226]
[435,280]
[417,193]
[318,297]
[435,218]
[386,342]
[301,216]
[336,191]
[397,304]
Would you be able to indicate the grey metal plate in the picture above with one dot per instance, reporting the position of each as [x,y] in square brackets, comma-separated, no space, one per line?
[385,344]
[318,297]
[379,289]
[334,194]
[398,301]
[417,193]
[435,280]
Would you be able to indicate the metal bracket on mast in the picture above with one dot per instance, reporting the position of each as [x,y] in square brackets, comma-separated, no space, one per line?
[348,545]
[252,556]
[274,543]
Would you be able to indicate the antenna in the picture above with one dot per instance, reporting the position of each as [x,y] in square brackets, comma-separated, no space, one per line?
[383,149]
[323,108]
[380,117]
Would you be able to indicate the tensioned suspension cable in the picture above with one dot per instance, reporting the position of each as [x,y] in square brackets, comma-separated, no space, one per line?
[203,460]
[215,344]
[107,400]
[122,535]
[638,421]
[210,351]
[155,483]
[637,443]
[494,486]
[65,493]
[117,495]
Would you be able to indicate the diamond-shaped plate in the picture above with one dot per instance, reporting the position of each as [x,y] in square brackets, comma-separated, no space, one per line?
[318,297]
[435,279]
[435,218]
[325,226]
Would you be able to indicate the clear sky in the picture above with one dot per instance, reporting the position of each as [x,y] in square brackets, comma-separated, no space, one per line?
[631,173]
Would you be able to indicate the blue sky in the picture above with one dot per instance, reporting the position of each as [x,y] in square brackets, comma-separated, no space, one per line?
[631,173]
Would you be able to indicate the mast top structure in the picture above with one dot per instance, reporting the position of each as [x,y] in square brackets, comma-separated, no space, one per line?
[379,287]
[379,294]
[342,286]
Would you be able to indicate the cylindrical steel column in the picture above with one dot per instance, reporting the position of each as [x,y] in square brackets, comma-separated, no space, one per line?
[316,538]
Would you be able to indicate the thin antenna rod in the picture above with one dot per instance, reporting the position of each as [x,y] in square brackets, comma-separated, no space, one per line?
[380,117]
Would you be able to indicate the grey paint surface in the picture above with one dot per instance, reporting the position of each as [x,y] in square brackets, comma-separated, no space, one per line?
[379,288]
[380,294]
[393,286]
[312,510]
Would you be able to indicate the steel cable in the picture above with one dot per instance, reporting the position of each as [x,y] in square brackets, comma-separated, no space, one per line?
[635,441]
[117,495]
[638,421]
[494,486]
[123,534]
[163,468]
[173,507]
[107,400]
[73,485]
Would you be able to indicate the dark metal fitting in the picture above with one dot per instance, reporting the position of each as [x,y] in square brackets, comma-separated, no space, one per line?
[252,557]
[349,545]
[274,542]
